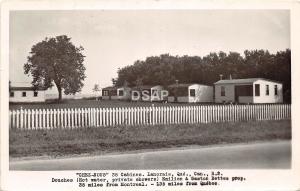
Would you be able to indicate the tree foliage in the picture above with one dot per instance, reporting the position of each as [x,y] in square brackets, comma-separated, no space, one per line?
[56,61]
[165,69]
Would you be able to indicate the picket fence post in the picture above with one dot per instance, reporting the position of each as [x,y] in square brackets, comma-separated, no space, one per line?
[70,118]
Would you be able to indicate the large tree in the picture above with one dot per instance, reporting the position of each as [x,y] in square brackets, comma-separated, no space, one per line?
[56,61]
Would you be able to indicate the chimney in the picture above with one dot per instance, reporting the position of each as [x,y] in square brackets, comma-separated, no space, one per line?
[221,76]
[230,77]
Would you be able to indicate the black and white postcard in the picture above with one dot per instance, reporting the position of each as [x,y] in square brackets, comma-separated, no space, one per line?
[149,95]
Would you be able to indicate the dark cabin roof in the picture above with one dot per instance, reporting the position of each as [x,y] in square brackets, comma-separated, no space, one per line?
[110,88]
[143,87]
[27,88]
[243,81]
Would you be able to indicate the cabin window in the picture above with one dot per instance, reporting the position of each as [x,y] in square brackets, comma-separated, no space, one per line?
[11,94]
[192,92]
[121,92]
[23,94]
[135,94]
[222,91]
[275,90]
[267,90]
[35,94]
[105,93]
[257,90]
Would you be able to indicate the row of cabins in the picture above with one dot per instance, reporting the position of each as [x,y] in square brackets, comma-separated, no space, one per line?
[251,90]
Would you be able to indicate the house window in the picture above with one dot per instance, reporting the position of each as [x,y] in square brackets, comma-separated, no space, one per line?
[257,90]
[121,92]
[192,92]
[222,91]
[23,94]
[35,94]
[105,93]
[11,94]
[267,90]
[275,90]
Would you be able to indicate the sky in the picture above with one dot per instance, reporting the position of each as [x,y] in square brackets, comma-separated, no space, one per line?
[113,39]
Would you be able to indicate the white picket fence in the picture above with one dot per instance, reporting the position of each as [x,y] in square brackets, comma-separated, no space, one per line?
[97,117]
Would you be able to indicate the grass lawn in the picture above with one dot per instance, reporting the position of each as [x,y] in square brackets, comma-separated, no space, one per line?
[102,140]
[92,104]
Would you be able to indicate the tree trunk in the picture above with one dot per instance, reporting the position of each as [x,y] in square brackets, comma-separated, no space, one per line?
[59,94]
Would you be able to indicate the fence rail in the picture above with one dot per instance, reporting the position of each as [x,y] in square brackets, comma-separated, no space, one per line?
[72,118]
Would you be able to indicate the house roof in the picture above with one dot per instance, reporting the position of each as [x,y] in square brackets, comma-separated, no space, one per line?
[243,81]
[179,85]
[124,87]
[110,88]
[185,85]
[143,87]
[27,88]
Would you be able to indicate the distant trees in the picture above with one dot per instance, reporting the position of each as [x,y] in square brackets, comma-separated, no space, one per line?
[56,61]
[96,88]
[165,69]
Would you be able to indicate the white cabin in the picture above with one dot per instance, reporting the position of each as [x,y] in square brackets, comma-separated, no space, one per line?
[26,95]
[251,90]
[124,93]
[110,93]
[190,93]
